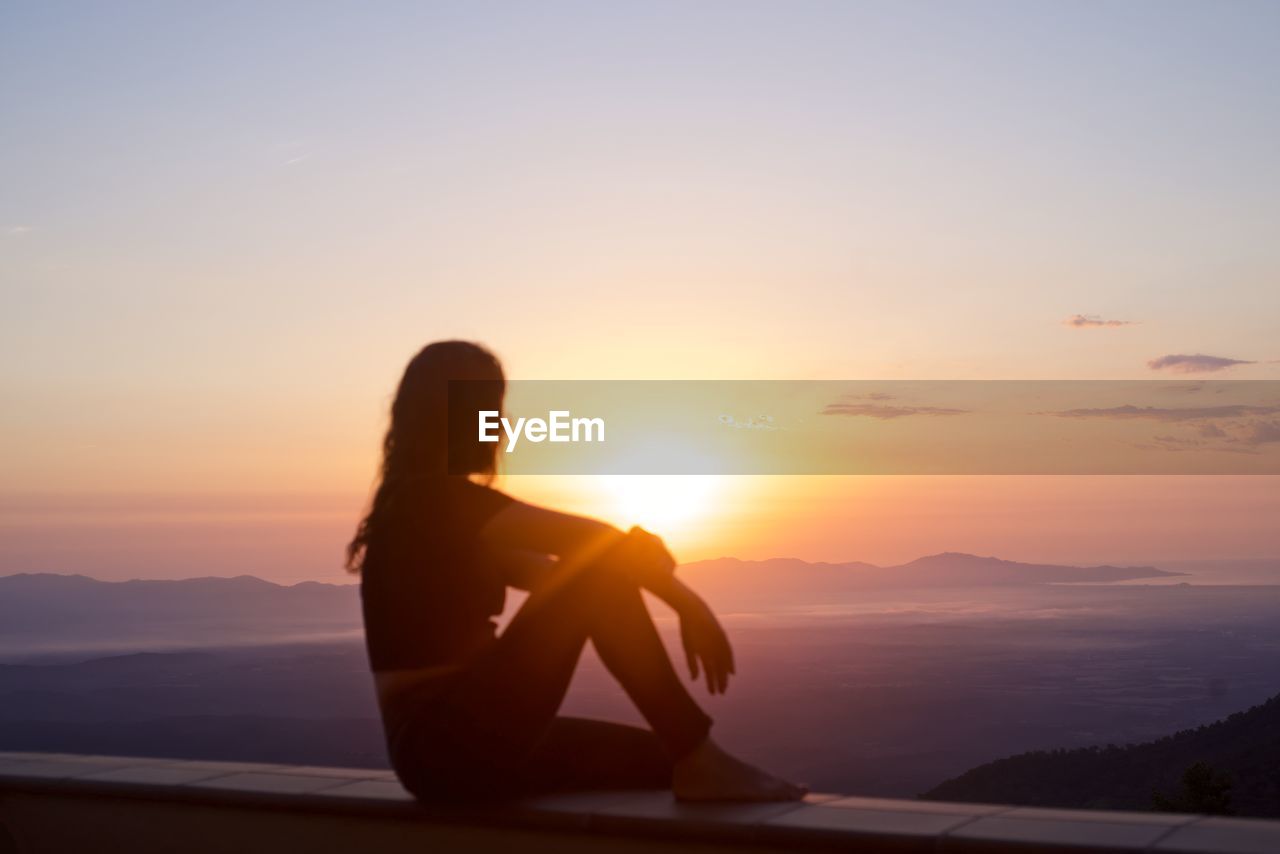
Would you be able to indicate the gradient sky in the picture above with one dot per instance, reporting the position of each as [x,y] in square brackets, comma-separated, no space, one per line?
[225,226]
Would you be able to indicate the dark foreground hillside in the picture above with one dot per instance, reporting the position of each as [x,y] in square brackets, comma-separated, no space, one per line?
[1245,748]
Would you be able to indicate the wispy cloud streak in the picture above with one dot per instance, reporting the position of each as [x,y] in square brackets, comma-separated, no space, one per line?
[1194,363]
[1093,321]
[884,413]
[1130,412]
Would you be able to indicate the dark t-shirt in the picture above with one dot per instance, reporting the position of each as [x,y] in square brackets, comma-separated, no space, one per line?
[427,598]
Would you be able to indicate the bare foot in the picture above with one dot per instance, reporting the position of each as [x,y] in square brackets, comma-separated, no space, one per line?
[707,773]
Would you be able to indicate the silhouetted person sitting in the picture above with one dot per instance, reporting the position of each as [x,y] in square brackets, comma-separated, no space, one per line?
[469,713]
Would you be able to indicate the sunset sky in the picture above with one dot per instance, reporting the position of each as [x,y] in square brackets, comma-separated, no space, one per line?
[225,227]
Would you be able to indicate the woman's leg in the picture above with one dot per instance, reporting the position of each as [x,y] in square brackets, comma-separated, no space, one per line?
[578,753]
[502,710]
[628,644]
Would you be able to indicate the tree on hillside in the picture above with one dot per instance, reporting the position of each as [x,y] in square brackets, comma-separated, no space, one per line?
[1204,790]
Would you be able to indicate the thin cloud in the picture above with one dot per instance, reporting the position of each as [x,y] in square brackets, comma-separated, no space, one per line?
[17,230]
[1214,386]
[1261,433]
[1129,412]
[1194,363]
[1093,321]
[754,422]
[1176,443]
[884,413]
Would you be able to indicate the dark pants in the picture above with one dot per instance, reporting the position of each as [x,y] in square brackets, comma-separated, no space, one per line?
[492,730]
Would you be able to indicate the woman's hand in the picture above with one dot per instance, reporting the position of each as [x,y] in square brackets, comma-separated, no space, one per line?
[705,642]
[650,554]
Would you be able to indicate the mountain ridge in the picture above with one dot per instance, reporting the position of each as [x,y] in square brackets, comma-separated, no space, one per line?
[945,569]
[77,577]
[1068,572]
[997,569]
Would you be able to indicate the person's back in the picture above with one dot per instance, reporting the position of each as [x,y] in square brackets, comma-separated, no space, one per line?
[427,597]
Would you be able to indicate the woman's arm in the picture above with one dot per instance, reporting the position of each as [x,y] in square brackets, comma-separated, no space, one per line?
[520,569]
[528,528]
[521,528]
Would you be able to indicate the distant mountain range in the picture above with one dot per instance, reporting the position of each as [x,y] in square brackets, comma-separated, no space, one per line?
[51,613]
[948,569]
[1245,748]
[786,582]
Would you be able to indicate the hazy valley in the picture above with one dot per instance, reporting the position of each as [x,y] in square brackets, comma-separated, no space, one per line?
[860,679]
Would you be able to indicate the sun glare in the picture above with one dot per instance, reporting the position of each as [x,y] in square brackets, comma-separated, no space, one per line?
[665,504]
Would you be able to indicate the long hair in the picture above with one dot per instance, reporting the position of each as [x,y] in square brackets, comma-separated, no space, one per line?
[419,445]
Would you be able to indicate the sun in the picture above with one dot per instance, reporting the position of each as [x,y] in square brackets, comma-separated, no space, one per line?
[664,504]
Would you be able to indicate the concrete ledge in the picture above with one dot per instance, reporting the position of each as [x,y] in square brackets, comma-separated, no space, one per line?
[63,802]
